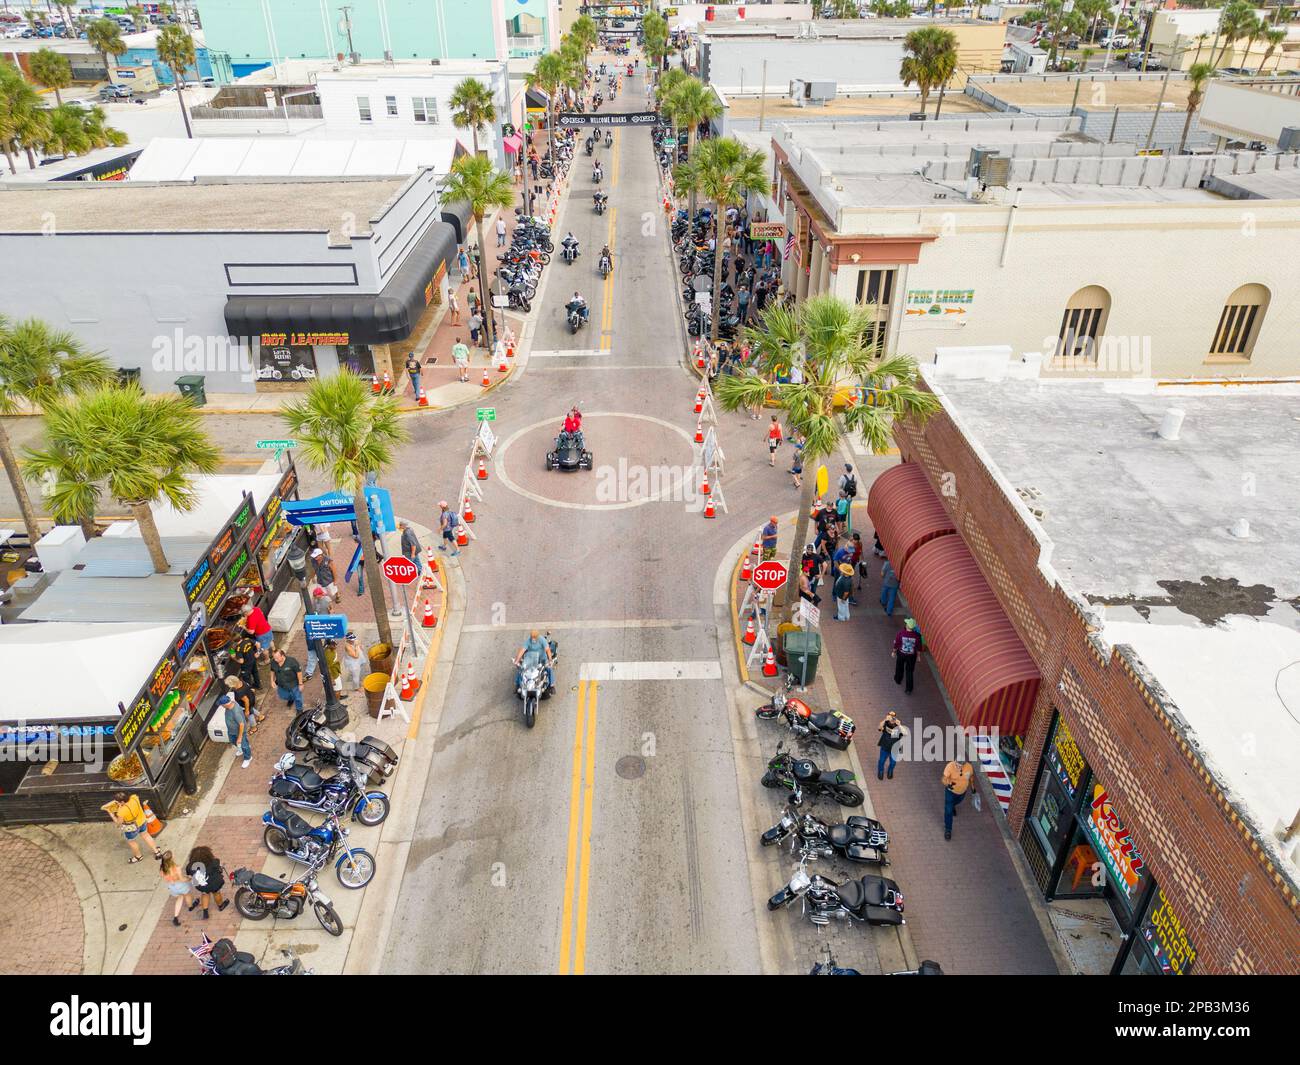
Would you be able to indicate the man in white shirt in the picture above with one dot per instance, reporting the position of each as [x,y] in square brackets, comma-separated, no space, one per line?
[501,232]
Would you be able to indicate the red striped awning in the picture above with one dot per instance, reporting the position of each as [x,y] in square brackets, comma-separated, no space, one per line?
[987,670]
[906,513]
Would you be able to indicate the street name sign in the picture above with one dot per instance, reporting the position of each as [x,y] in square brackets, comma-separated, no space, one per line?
[487,414]
[276,445]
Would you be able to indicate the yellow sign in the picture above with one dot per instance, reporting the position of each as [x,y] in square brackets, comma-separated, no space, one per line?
[823,480]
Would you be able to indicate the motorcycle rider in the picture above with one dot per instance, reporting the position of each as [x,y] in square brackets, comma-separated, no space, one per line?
[599,199]
[536,650]
[578,304]
[570,241]
[609,138]
[596,172]
[606,256]
[573,426]
[589,143]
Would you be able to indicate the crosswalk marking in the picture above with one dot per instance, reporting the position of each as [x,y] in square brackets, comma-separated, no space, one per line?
[573,353]
[692,670]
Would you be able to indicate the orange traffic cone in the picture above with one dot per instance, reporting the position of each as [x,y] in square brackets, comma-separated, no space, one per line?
[699,431]
[151,821]
[482,469]
[462,537]
[388,383]
[409,683]
[757,549]
[708,508]
[750,635]
[486,379]
[510,347]
[699,359]
[705,486]
[746,569]
[769,664]
[699,401]
[468,516]
[422,400]
[429,621]
[502,365]
[374,384]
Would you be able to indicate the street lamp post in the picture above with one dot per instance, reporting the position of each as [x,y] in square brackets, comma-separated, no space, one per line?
[336,714]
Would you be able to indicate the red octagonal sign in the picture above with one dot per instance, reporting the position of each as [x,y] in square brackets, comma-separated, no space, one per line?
[770,575]
[400,570]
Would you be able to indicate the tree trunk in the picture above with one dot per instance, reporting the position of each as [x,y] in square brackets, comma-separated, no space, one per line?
[88,527]
[800,536]
[180,97]
[717,274]
[31,158]
[376,578]
[1187,124]
[9,158]
[58,99]
[485,307]
[19,486]
[690,150]
[149,531]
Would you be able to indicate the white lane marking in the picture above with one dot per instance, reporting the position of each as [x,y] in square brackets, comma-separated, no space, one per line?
[695,670]
[562,626]
[585,369]
[575,353]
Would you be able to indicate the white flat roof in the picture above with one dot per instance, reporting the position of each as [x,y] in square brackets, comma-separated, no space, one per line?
[182,159]
[218,495]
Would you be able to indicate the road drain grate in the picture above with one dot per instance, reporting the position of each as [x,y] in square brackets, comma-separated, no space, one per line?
[630,767]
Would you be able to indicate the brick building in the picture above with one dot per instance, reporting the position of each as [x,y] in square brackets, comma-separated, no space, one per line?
[1118,606]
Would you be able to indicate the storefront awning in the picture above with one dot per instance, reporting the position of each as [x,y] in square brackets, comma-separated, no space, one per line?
[381,318]
[514,143]
[459,217]
[906,513]
[536,98]
[989,674]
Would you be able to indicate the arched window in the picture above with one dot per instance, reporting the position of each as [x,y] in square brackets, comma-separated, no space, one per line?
[1239,322]
[1083,322]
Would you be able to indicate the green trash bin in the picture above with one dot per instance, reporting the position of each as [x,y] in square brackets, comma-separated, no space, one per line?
[191,387]
[803,650]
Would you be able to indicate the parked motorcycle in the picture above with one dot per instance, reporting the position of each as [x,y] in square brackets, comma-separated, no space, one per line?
[307,732]
[260,896]
[859,839]
[305,789]
[223,959]
[801,776]
[289,835]
[831,727]
[872,900]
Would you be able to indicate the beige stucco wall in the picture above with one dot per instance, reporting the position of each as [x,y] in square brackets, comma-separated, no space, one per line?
[1168,269]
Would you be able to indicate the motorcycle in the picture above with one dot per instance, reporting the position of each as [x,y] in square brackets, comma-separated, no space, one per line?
[288,835]
[590,146]
[532,686]
[223,959]
[800,776]
[308,732]
[305,789]
[872,900]
[833,728]
[609,139]
[596,175]
[599,202]
[569,252]
[859,839]
[605,266]
[260,896]
[576,319]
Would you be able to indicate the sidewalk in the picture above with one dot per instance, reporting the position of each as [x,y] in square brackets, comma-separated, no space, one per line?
[966,906]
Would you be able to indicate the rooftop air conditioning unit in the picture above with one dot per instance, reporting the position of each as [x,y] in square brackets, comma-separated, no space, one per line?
[818,92]
[989,167]
[798,87]
[1289,139]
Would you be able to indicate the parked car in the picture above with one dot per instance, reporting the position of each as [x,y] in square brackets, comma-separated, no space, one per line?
[1134,61]
[116,92]
[1242,71]
[1119,40]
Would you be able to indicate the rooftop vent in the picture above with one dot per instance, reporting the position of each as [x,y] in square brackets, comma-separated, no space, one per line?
[1240,529]
[1172,423]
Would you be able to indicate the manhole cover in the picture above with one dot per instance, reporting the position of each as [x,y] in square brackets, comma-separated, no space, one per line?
[630,767]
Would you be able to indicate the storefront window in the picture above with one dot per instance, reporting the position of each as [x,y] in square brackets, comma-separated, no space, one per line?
[1162,946]
[1083,873]
[1058,790]
[357,358]
[1125,867]
[286,363]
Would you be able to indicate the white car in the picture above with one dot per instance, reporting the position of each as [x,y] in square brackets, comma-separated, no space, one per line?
[1120,40]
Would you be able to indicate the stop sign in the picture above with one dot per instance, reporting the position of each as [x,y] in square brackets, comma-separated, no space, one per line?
[770,575]
[400,570]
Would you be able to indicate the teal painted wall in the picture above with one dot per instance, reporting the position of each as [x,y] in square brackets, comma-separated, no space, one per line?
[238,27]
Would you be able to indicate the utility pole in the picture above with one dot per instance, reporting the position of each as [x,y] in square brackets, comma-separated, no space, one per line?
[347,28]
[762,98]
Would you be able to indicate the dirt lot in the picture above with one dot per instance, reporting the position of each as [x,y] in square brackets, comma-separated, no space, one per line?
[779,108]
[1096,95]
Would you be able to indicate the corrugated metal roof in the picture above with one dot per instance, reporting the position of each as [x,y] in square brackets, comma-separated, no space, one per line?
[906,513]
[989,674]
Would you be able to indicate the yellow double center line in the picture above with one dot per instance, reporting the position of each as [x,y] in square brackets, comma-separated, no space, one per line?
[577,872]
[607,302]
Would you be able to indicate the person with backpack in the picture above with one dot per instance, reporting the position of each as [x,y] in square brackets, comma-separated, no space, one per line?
[907,645]
[208,878]
[448,520]
[849,489]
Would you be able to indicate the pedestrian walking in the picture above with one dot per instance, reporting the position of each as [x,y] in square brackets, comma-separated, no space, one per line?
[857,563]
[208,878]
[325,574]
[957,776]
[841,512]
[352,661]
[842,589]
[255,623]
[178,884]
[460,356]
[127,812]
[246,698]
[501,231]
[907,645]
[796,463]
[448,519]
[287,673]
[413,371]
[462,260]
[742,303]
[475,327]
[410,544]
[243,656]
[768,539]
[774,438]
[892,730]
[888,588]
[453,307]
[321,537]
[235,718]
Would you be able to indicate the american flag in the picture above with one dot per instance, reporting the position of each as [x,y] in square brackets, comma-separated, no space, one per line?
[792,247]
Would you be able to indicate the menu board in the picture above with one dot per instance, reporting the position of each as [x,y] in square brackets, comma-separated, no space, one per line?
[132,724]
[197,580]
[162,678]
[1167,938]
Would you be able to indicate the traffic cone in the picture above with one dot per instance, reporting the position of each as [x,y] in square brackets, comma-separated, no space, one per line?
[699,431]
[423,400]
[409,683]
[769,664]
[468,516]
[708,508]
[486,379]
[757,549]
[462,537]
[502,365]
[746,569]
[388,383]
[750,635]
[705,486]
[482,469]
[151,821]
[510,346]
[374,384]
[699,401]
[429,620]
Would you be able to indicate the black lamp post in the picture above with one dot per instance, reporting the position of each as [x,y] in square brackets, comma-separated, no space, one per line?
[336,714]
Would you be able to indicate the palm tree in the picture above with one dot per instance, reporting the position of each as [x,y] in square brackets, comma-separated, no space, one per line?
[472,108]
[1272,38]
[722,170]
[1197,78]
[176,50]
[142,449]
[105,37]
[549,74]
[345,432]
[1235,22]
[584,31]
[654,33]
[52,69]
[1253,29]
[844,8]
[829,339]
[23,121]
[1201,38]
[929,59]
[138,17]
[882,8]
[72,131]
[688,104]
[476,181]
[38,367]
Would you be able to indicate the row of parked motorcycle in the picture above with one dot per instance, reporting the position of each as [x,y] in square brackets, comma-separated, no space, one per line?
[868,900]
[696,263]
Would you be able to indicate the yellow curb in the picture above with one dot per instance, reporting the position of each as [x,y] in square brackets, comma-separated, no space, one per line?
[735,619]
[417,710]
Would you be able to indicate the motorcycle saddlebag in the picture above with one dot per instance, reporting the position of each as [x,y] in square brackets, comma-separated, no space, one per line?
[232,962]
[284,789]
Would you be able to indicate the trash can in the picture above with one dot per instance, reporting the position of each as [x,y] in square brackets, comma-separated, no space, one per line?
[374,685]
[802,652]
[381,658]
[191,387]
[189,779]
[783,630]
